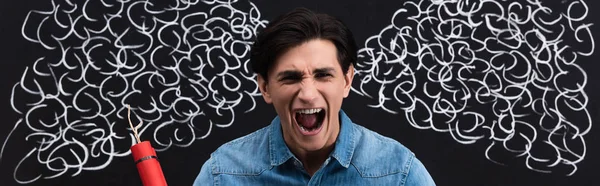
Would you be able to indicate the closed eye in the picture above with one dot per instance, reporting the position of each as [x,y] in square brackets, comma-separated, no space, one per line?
[323,75]
[290,78]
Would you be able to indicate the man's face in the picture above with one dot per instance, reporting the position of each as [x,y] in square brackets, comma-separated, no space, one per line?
[306,86]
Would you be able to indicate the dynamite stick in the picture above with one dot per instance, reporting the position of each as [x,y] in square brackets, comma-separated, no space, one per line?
[145,159]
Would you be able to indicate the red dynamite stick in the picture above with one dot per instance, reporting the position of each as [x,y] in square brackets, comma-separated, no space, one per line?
[147,164]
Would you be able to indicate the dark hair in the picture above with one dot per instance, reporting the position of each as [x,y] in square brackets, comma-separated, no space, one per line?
[296,27]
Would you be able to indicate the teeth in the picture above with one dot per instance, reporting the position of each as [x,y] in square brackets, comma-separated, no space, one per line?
[303,129]
[309,111]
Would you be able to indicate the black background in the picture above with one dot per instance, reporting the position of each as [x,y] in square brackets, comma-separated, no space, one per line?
[449,162]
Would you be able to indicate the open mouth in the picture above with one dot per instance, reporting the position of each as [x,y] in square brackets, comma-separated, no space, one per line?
[310,120]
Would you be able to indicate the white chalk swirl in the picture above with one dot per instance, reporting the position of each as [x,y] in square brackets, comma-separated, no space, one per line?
[504,73]
[181,65]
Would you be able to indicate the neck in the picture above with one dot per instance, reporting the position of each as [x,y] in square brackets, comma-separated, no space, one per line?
[312,160]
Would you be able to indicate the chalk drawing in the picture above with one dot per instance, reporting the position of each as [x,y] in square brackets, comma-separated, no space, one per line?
[504,73]
[181,65]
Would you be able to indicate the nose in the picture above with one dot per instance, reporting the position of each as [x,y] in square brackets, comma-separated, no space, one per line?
[308,91]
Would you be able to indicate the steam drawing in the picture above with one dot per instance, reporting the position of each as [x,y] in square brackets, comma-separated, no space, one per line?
[182,66]
[448,65]
[503,73]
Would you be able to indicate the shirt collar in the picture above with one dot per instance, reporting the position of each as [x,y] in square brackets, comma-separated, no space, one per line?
[342,152]
[346,141]
[278,150]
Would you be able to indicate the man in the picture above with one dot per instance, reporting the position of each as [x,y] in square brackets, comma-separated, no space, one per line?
[305,66]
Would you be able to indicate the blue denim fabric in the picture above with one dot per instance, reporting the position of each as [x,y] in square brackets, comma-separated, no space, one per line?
[360,157]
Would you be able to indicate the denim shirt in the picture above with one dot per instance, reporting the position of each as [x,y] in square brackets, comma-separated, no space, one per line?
[360,157]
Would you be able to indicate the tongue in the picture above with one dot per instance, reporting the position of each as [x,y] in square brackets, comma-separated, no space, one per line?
[307,120]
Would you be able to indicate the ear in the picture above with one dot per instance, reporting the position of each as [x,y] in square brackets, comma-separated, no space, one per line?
[262,85]
[348,76]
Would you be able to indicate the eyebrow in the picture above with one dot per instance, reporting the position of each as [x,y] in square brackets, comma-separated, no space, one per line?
[287,73]
[298,73]
[324,70]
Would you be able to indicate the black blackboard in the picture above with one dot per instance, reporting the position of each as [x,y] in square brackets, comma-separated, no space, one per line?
[484,92]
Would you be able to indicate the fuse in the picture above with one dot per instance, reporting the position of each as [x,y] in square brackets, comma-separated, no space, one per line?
[145,159]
